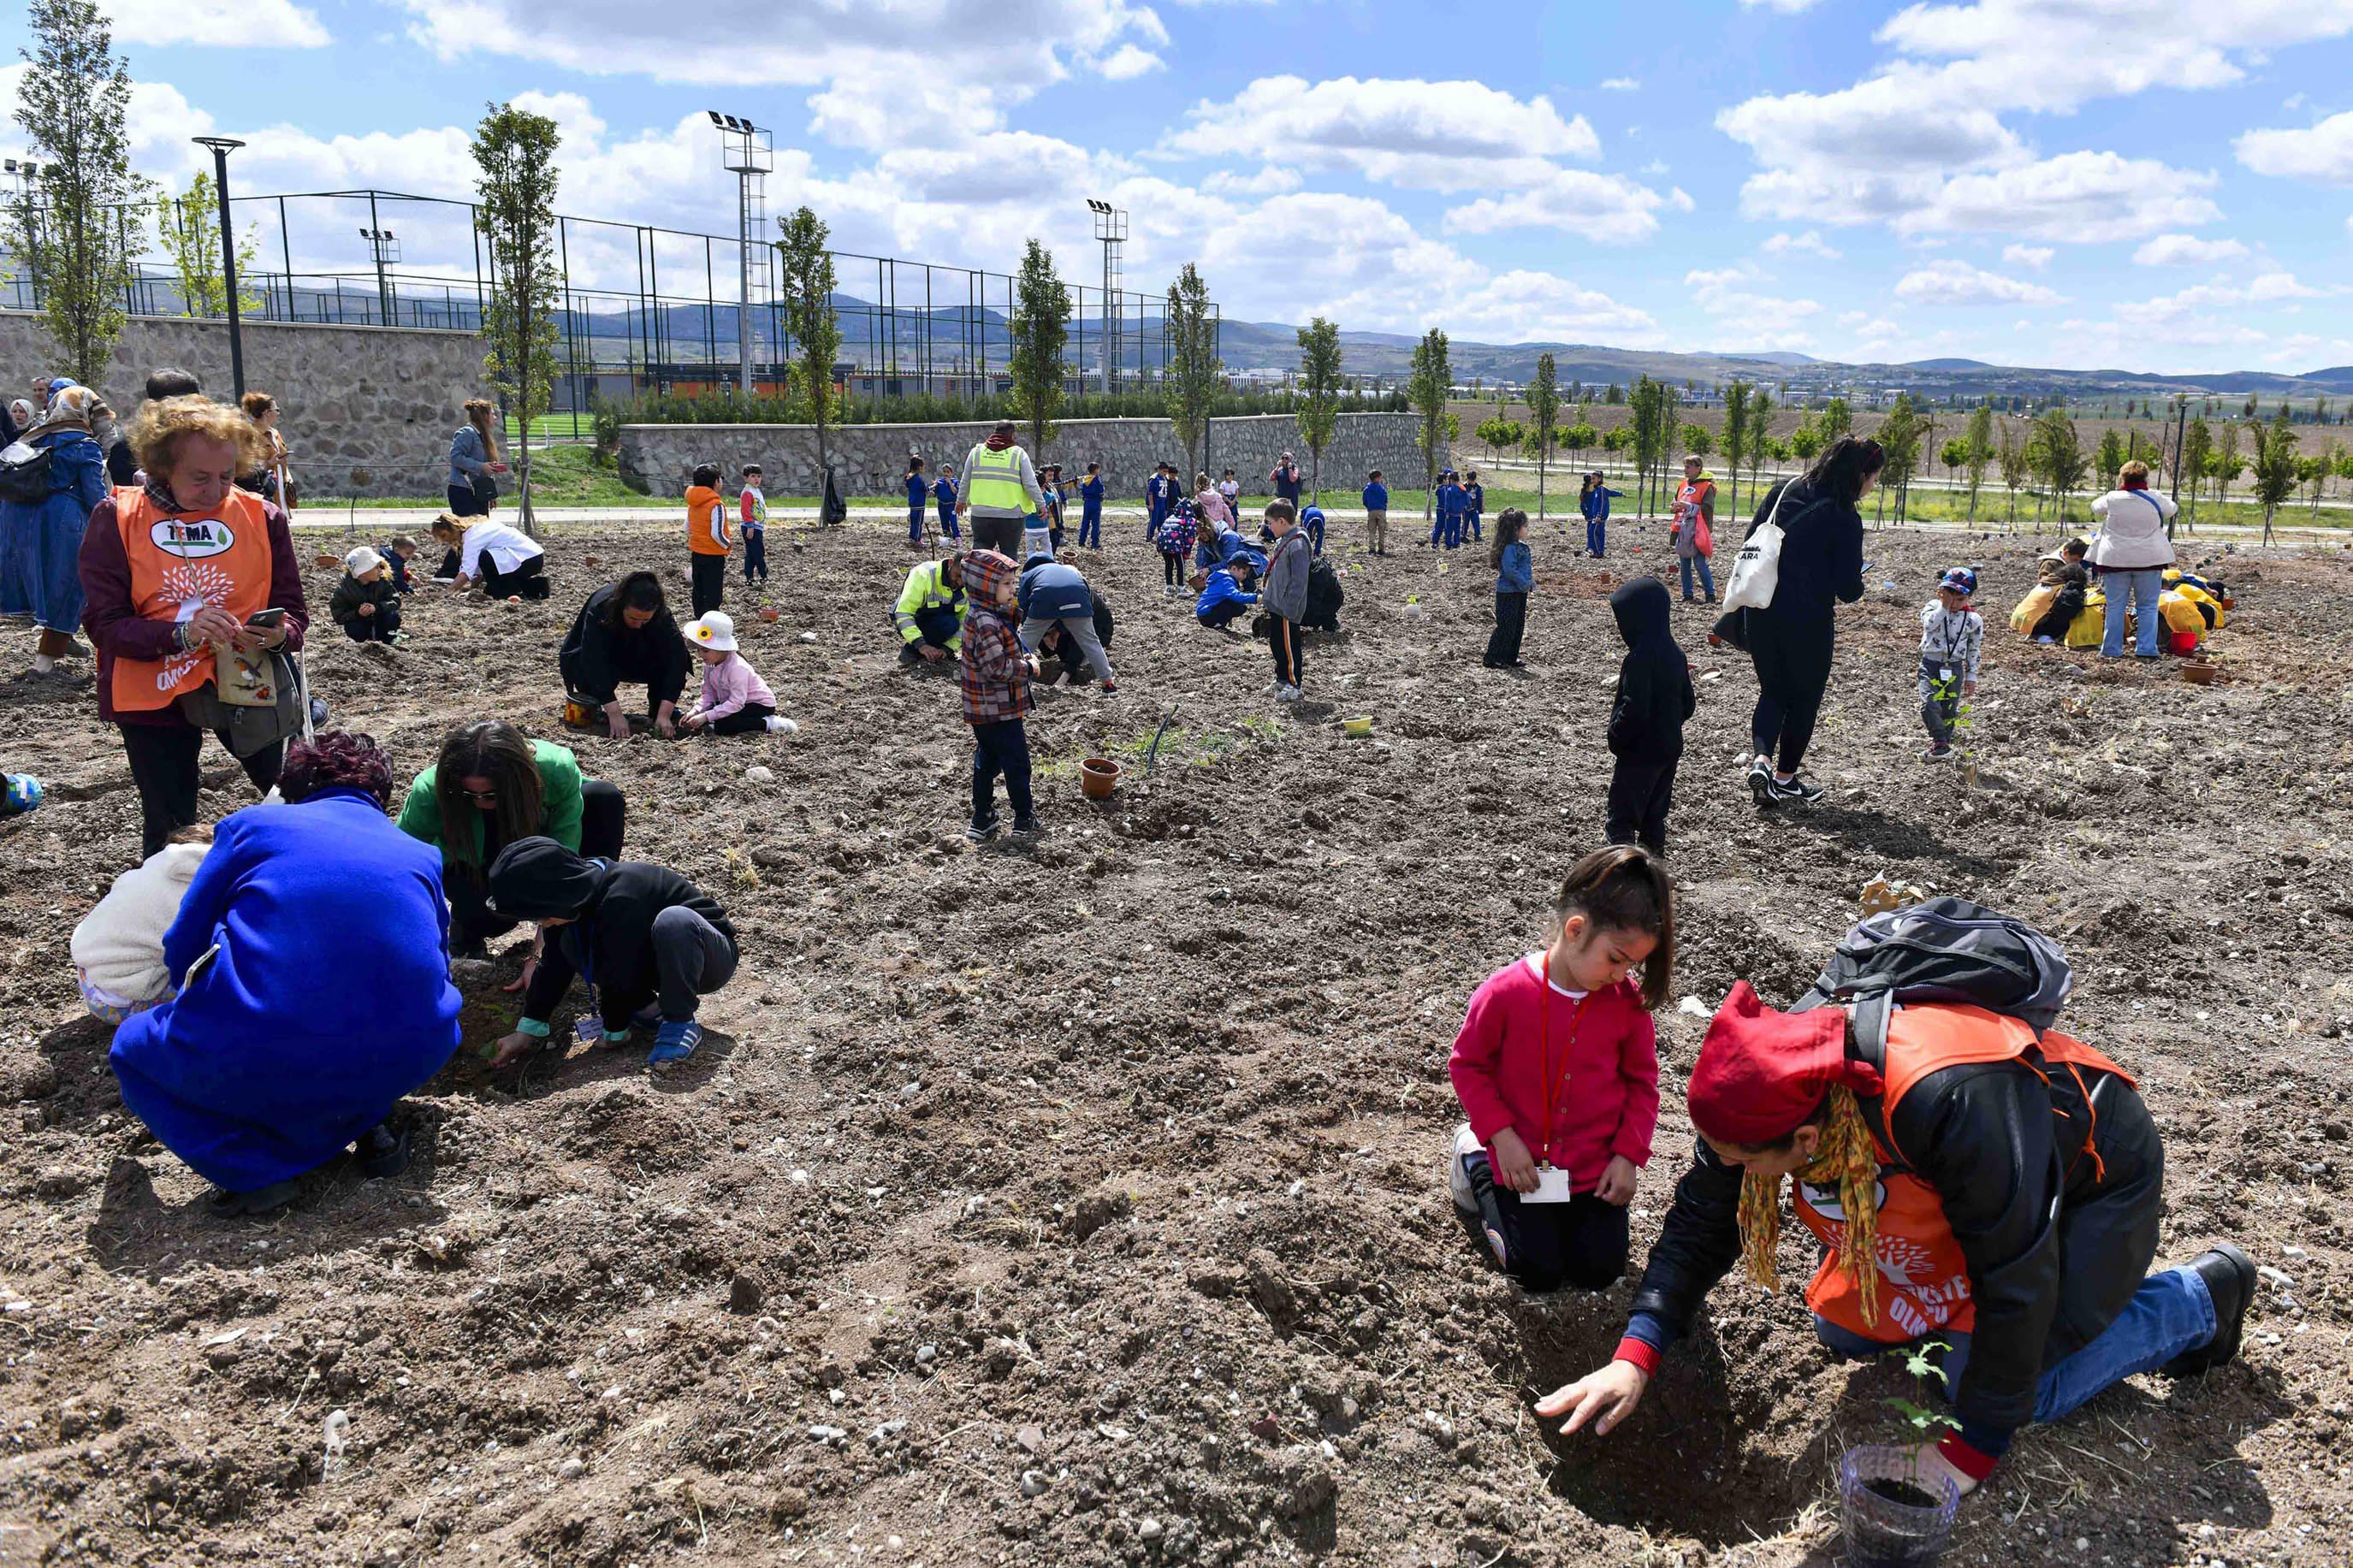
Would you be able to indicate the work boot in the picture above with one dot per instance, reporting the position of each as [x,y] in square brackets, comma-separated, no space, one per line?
[2230,1276]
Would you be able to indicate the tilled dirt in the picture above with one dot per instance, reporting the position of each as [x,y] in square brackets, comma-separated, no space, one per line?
[1081,1203]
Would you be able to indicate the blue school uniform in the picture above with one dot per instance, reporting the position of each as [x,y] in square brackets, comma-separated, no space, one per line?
[1090,500]
[1596,508]
[1474,507]
[919,490]
[944,493]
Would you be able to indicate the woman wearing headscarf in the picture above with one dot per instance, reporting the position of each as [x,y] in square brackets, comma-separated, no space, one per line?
[1975,1184]
[311,954]
[41,536]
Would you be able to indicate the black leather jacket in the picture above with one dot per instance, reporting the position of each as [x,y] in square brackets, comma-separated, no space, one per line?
[2054,1247]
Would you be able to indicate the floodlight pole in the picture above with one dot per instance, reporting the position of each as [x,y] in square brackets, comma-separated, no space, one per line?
[1110,228]
[222,146]
[749,157]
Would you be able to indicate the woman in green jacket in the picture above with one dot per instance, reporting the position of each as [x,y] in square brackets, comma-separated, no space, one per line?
[490,786]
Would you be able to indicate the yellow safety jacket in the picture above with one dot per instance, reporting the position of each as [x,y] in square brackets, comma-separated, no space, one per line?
[992,483]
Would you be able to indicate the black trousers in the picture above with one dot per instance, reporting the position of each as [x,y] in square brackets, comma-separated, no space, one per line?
[752,719]
[527,581]
[1640,794]
[939,625]
[164,766]
[709,583]
[1000,748]
[1511,624]
[1581,1244]
[1172,567]
[377,627]
[604,819]
[692,958]
[1283,636]
[1793,671]
[1218,617]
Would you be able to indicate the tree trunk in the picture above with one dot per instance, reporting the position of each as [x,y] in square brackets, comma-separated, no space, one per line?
[2269,506]
[1540,488]
[522,482]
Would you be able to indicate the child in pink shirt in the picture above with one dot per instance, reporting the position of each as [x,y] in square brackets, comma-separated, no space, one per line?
[735,700]
[1557,1067]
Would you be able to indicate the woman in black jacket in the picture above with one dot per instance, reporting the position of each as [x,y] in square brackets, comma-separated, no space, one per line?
[623,635]
[1790,639]
[1982,1191]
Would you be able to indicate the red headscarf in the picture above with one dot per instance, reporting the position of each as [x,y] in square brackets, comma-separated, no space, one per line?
[1760,1072]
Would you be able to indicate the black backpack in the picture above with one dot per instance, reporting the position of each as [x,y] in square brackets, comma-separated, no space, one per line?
[1946,950]
[24,474]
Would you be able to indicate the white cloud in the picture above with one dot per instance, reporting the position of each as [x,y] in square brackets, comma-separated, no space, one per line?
[2179,249]
[2035,255]
[1128,62]
[1787,7]
[1769,321]
[2269,287]
[2080,197]
[1958,283]
[1623,84]
[2322,153]
[1810,242]
[237,24]
[1271,180]
[1606,208]
[1444,136]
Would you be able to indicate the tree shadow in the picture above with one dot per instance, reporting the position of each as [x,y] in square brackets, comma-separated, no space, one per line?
[1876,833]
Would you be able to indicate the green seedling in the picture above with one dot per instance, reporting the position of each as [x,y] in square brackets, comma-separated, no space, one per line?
[1928,1422]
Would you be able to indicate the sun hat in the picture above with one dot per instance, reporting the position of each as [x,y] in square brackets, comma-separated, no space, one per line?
[361,562]
[714,630]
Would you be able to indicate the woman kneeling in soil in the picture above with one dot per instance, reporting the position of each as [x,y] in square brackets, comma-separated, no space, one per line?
[2006,1186]
[314,985]
[624,635]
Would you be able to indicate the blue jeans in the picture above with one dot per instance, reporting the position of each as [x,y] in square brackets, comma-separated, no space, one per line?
[1470,524]
[756,554]
[2171,1312]
[2140,588]
[1706,578]
[1090,528]
[1315,533]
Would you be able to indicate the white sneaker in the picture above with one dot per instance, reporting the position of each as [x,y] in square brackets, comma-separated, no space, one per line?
[1286,694]
[1458,1177]
[779,725]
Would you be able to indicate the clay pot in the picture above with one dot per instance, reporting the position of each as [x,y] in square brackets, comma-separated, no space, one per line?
[588,561]
[2197,672]
[769,613]
[325,561]
[1098,776]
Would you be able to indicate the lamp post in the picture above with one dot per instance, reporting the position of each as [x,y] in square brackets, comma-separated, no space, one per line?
[1110,228]
[222,147]
[27,173]
[385,247]
[750,156]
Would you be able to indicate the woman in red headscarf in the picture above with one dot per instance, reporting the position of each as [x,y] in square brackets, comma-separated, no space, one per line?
[1972,1184]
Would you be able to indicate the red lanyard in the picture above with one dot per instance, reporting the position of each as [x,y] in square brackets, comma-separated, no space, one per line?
[1552,1080]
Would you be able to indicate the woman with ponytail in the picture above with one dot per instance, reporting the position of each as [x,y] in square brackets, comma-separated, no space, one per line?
[1972,1182]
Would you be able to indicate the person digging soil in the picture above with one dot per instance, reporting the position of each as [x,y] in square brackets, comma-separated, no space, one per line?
[2006,1180]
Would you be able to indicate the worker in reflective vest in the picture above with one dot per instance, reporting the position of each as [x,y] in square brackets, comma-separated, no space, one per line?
[1000,494]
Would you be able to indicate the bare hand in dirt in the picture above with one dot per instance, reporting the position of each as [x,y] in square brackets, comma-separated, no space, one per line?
[523,982]
[667,725]
[933,655]
[616,723]
[1932,1467]
[1968,689]
[512,1049]
[695,721]
[213,624]
[1515,1166]
[1618,1180]
[1605,1398]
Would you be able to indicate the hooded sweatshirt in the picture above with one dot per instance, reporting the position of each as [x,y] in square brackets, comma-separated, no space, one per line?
[610,942]
[995,673]
[119,945]
[1654,684]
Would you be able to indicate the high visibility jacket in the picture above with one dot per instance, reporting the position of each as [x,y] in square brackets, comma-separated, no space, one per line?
[992,483]
[925,590]
[1924,1282]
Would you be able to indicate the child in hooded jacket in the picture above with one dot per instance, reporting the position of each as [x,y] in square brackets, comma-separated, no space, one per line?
[1557,1067]
[118,948]
[1173,537]
[1646,720]
[1516,577]
[366,602]
[995,685]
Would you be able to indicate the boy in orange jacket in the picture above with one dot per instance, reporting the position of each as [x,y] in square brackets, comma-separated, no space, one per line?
[707,536]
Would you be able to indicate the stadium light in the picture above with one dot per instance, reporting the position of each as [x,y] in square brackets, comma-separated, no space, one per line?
[222,146]
[749,157]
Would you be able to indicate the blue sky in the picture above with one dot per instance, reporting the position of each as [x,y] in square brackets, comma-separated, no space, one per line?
[2076,183]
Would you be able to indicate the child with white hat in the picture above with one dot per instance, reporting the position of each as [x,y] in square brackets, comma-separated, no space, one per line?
[735,700]
[366,602]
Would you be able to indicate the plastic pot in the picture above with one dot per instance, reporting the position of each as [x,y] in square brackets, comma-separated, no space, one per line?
[769,612]
[2197,672]
[1891,1515]
[1098,776]
[1357,729]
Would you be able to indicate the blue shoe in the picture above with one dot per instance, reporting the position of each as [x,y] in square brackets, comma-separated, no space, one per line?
[19,793]
[677,1041]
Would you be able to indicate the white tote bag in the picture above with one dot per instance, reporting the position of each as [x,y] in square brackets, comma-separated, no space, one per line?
[1756,570]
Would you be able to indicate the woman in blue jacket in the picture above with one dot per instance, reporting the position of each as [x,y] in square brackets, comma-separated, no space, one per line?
[1593,501]
[313,958]
[40,540]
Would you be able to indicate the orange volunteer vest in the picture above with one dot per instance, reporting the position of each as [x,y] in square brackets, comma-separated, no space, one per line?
[1924,1281]
[178,564]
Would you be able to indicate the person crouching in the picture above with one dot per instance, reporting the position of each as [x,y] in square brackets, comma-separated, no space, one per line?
[368,601]
[735,700]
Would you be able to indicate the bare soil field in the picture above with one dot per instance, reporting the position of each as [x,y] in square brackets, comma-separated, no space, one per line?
[1082,1203]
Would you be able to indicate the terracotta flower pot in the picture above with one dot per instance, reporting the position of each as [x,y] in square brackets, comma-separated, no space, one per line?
[2197,672]
[325,560]
[1098,776]
[769,613]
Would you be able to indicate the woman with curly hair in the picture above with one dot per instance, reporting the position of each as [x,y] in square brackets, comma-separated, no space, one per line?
[311,952]
[177,574]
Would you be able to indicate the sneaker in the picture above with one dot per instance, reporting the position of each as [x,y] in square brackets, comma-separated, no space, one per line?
[2230,1276]
[1795,789]
[1027,827]
[1110,686]
[1760,779]
[981,832]
[677,1041]
[776,724]
[1457,1171]
[1937,754]
[2045,642]
[1287,694]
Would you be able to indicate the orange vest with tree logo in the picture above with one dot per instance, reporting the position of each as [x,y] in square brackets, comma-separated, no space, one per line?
[180,563]
[1924,1280]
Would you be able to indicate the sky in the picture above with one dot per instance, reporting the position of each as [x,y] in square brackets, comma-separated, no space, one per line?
[2140,185]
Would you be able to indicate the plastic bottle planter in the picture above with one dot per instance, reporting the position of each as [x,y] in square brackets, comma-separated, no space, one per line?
[1892,1517]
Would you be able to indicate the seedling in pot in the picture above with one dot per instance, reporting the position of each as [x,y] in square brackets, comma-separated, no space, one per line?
[1891,1517]
[1927,1422]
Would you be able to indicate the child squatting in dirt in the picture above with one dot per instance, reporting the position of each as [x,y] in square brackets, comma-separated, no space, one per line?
[1557,1065]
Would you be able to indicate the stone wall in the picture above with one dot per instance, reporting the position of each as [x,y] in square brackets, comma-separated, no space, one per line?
[367,410]
[870,460]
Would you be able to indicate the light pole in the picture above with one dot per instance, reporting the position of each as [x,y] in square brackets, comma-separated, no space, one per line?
[1110,228]
[385,247]
[222,147]
[27,173]
[750,157]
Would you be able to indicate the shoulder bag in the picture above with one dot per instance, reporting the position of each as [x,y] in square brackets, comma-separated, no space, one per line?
[1756,570]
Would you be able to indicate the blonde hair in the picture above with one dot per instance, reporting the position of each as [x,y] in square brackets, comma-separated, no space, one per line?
[1846,1156]
[446,523]
[155,434]
[478,413]
[2134,475]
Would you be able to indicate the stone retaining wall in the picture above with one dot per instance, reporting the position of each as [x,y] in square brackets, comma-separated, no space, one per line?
[870,460]
[367,410]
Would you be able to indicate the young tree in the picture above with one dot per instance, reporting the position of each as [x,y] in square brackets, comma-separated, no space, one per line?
[1194,368]
[2225,464]
[2274,466]
[1806,440]
[2063,461]
[1760,444]
[1901,437]
[2190,463]
[1499,436]
[1642,438]
[1319,388]
[804,287]
[2312,473]
[1581,437]
[77,243]
[1977,451]
[1735,435]
[1616,396]
[1426,389]
[1699,440]
[515,196]
[189,226]
[1834,420]
[1544,410]
[1038,330]
[2112,456]
[2010,453]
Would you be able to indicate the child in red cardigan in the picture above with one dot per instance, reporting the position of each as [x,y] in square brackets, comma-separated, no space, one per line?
[1557,1067]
